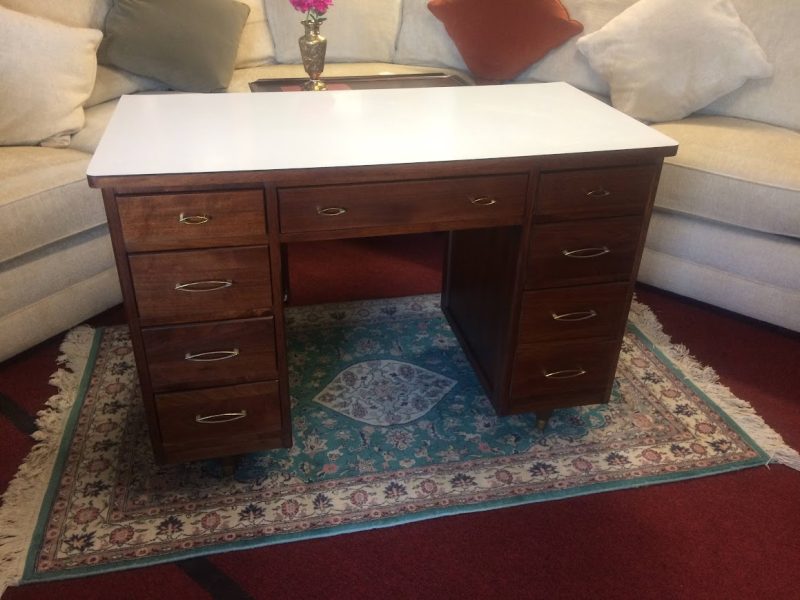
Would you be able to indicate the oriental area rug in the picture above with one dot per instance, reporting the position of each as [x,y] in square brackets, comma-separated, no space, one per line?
[390,426]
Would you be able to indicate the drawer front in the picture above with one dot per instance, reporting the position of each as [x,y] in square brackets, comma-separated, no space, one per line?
[499,198]
[580,252]
[201,285]
[211,354]
[190,220]
[560,314]
[562,368]
[592,193]
[223,413]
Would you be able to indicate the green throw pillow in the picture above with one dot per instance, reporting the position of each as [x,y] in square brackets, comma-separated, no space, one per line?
[188,44]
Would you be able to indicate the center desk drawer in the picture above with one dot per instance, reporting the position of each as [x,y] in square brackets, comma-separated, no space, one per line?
[496,198]
[190,220]
[211,354]
[201,285]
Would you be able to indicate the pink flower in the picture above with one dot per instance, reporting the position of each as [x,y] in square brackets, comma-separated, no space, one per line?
[314,9]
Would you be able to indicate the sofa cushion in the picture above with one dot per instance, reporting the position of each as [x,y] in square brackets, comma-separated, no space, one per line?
[770,259]
[423,40]
[87,254]
[500,40]
[775,100]
[190,45]
[44,198]
[48,73]
[355,30]
[97,118]
[735,171]
[76,13]
[665,59]
[255,45]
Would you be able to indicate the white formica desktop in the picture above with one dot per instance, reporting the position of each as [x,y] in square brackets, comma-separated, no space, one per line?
[546,193]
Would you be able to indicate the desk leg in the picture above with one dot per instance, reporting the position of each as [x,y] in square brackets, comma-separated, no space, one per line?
[542,418]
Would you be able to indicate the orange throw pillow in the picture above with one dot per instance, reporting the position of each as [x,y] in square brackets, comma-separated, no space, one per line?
[499,39]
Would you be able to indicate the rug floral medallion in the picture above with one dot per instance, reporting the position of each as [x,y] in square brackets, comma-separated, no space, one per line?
[390,425]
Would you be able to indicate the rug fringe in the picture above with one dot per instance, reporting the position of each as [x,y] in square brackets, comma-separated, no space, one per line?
[22,500]
[707,380]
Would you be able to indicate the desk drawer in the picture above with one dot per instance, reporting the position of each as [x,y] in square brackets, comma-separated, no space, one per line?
[223,353]
[490,199]
[562,367]
[201,285]
[580,252]
[571,313]
[190,220]
[207,416]
[589,193]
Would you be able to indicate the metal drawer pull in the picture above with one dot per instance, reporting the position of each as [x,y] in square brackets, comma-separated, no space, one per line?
[212,355]
[598,193]
[581,315]
[221,417]
[331,211]
[193,219]
[483,201]
[203,286]
[585,252]
[565,374]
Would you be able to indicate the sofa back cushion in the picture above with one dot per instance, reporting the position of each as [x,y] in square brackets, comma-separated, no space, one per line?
[255,45]
[776,100]
[423,39]
[356,30]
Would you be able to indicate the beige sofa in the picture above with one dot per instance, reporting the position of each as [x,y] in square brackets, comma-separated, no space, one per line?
[726,229]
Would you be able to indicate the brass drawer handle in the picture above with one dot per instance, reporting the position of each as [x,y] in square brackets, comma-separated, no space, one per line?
[483,201]
[598,193]
[581,315]
[565,373]
[221,417]
[210,285]
[331,211]
[212,355]
[193,219]
[586,252]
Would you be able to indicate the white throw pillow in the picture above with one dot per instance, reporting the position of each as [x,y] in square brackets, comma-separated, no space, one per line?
[356,30]
[48,73]
[665,59]
[75,13]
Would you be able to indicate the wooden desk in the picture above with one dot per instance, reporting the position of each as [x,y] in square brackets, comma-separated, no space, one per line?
[546,193]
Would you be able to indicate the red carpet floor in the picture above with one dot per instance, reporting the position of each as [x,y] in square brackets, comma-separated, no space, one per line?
[731,536]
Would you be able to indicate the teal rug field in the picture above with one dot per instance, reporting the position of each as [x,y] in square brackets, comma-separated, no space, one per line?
[390,426]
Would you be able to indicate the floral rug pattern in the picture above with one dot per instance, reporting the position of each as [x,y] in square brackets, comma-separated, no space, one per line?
[110,507]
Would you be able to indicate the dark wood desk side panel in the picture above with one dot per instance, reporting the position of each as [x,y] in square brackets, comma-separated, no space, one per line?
[478,299]
[132,315]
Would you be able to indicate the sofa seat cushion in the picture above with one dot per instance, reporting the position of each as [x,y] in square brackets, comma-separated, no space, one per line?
[44,198]
[42,273]
[242,77]
[735,171]
[760,257]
